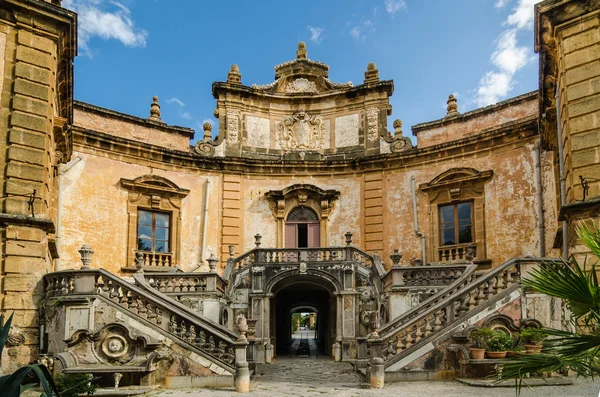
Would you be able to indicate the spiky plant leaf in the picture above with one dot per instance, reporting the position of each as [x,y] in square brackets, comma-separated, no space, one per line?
[4,329]
[11,384]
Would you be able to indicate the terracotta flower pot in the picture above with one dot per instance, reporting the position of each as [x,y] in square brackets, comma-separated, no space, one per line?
[477,354]
[514,353]
[496,354]
[533,349]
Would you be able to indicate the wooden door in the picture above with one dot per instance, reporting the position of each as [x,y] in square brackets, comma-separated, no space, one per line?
[314,235]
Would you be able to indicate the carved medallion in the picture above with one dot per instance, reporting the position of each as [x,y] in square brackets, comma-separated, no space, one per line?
[301,132]
[301,85]
[372,124]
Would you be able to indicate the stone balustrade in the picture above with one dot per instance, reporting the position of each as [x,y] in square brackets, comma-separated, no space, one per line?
[457,252]
[441,310]
[293,255]
[181,283]
[405,277]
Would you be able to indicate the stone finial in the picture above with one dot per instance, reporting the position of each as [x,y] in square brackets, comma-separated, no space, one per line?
[301,53]
[397,128]
[234,76]
[372,73]
[396,257]
[86,253]
[452,106]
[257,239]
[348,236]
[155,109]
[207,127]
[212,263]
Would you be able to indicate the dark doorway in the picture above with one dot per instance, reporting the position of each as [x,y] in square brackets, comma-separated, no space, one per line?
[303,297]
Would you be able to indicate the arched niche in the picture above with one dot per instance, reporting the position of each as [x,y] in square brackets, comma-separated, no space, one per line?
[283,202]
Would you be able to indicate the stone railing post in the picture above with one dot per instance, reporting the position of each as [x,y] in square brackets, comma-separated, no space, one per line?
[84,282]
[377,373]
[241,379]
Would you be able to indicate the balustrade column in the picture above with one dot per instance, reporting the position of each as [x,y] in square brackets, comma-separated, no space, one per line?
[377,373]
[241,379]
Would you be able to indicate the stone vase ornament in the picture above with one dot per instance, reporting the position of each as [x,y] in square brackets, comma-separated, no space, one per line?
[86,253]
[241,324]
[251,328]
[374,324]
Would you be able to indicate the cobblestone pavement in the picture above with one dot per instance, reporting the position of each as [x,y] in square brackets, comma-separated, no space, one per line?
[321,376]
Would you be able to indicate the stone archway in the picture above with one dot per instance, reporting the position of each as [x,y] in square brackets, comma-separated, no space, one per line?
[293,291]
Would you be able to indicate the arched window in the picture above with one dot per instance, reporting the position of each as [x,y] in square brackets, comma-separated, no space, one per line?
[302,228]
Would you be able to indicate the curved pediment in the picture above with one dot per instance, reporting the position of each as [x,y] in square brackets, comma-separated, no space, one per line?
[457,175]
[154,184]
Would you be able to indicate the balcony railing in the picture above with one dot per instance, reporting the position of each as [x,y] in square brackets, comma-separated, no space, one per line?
[291,255]
[156,259]
[458,252]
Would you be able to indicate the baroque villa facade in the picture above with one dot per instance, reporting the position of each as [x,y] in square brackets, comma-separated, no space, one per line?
[303,201]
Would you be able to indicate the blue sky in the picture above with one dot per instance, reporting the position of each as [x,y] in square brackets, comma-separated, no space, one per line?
[130,50]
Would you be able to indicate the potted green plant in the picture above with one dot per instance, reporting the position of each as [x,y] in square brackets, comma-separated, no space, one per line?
[532,339]
[517,347]
[479,336]
[498,344]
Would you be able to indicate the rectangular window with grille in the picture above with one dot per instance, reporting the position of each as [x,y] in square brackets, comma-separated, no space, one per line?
[456,223]
[153,231]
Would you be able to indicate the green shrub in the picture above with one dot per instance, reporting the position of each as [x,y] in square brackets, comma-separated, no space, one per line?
[532,336]
[480,336]
[72,385]
[499,342]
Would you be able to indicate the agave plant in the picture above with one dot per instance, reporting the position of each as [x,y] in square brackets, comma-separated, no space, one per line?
[12,385]
[577,284]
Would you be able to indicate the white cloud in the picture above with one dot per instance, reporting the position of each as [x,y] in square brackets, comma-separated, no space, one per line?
[393,6]
[500,3]
[508,57]
[185,115]
[355,32]
[522,16]
[315,34]
[107,20]
[176,101]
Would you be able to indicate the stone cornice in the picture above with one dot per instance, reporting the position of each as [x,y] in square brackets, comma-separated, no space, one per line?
[474,113]
[133,151]
[219,87]
[187,132]
[26,220]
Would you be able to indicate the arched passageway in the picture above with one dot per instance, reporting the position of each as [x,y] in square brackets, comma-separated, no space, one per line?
[303,294]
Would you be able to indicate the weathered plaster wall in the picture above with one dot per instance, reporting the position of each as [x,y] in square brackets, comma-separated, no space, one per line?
[511,216]
[258,217]
[472,123]
[95,212]
[128,129]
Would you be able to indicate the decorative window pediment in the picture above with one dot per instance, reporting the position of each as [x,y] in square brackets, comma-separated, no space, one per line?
[457,176]
[449,193]
[283,202]
[155,193]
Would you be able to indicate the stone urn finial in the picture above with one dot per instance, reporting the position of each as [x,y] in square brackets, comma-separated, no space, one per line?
[372,73]
[374,325]
[395,257]
[212,263]
[207,128]
[452,106]
[86,253]
[301,53]
[397,128]
[348,236]
[242,326]
[234,76]
[470,253]
[231,250]
[155,109]
[140,261]
[257,238]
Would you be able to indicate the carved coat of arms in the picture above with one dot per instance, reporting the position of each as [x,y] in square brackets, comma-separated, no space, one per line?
[301,132]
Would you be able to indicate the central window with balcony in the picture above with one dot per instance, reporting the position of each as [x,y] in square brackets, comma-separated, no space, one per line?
[153,237]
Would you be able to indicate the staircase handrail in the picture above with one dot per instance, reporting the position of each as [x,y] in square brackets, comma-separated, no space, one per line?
[461,298]
[211,340]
